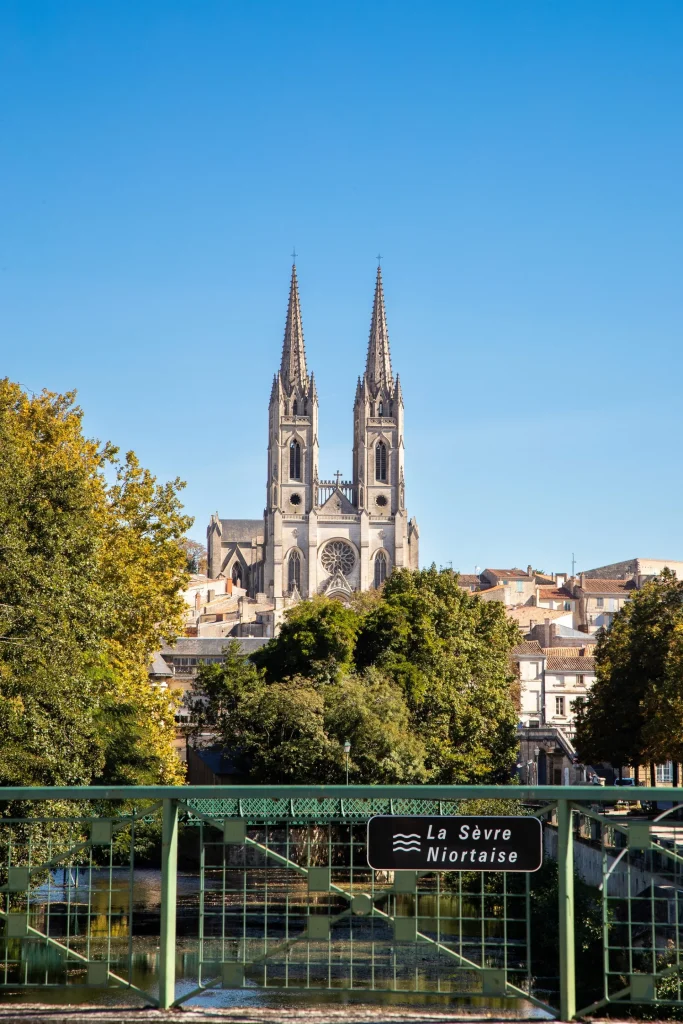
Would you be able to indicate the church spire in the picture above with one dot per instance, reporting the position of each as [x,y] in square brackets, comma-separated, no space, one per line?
[378,365]
[293,366]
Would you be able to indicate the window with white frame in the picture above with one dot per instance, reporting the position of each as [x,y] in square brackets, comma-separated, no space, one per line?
[559,706]
[665,772]
[600,602]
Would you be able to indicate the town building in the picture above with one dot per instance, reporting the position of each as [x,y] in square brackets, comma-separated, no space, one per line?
[320,536]
[553,681]
[599,599]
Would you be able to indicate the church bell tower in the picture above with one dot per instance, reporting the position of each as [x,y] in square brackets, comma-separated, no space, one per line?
[292,453]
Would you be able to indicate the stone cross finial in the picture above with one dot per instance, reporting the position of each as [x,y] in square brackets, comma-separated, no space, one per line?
[337,477]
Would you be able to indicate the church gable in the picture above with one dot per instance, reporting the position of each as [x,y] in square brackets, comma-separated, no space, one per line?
[337,502]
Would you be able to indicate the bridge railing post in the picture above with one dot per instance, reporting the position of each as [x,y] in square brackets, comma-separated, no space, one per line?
[565,866]
[169,877]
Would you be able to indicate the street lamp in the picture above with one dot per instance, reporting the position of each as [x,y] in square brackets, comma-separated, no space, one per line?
[347,751]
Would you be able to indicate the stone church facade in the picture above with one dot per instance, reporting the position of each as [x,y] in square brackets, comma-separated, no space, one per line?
[324,536]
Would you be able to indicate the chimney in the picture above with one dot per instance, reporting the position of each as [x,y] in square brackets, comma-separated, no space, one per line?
[546,633]
[228,586]
[529,571]
[581,579]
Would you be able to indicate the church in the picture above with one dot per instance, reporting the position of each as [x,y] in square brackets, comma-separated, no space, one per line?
[328,537]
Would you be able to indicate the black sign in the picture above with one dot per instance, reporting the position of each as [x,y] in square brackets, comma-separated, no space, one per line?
[454,843]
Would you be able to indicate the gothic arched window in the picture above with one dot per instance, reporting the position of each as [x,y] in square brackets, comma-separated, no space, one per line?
[295,408]
[295,461]
[380,568]
[380,461]
[294,571]
[237,574]
[380,409]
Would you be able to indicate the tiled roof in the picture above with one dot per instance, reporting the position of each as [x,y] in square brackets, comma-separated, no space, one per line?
[509,574]
[571,665]
[528,647]
[522,614]
[470,579]
[569,652]
[602,586]
[554,594]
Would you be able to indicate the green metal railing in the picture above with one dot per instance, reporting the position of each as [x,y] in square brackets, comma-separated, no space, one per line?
[276,893]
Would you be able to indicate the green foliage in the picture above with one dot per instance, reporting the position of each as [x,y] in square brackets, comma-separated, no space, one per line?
[294,730]
[89,579]
[449,652]
[316,641]
[634,712]
[417,678]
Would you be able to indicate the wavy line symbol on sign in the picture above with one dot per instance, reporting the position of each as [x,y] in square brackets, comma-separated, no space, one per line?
[407,842]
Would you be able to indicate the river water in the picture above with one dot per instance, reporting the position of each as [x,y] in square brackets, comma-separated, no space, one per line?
[124,929]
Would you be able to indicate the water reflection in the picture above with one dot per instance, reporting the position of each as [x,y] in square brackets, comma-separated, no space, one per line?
[102,916]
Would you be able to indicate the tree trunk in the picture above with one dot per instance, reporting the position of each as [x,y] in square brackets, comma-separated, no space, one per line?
[653,776]
[675,779]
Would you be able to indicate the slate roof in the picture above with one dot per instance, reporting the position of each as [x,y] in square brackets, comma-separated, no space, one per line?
[241,530]
[200,646]
[528,647]
[159,667]
[603,586]
[569,633]
[570,665]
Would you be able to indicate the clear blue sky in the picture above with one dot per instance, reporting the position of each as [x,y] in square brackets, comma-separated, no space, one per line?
[518,164]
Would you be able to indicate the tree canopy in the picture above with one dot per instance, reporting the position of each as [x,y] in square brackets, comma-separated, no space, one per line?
[634,712]
[90,572]
[417,677]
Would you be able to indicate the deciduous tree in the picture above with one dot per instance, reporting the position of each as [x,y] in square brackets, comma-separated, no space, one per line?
[90,573]
[633,713]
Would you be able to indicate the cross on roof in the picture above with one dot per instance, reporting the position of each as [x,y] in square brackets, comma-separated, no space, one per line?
[338,477]
[379,259]
[294,254]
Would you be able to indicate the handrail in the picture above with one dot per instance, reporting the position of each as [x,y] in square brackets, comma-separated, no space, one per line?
[590,794]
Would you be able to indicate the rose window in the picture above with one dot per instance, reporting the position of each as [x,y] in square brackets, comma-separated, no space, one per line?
[338,556]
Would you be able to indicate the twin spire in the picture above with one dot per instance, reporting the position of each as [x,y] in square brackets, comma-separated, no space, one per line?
[378,363]
[293,365]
